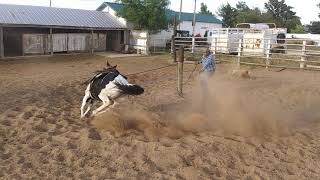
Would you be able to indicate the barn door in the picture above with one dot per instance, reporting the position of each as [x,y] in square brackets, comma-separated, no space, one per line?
[109,41]
[33,44]
[79,42]
[113,40]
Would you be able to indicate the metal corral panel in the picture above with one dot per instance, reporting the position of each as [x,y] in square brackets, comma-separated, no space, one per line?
[63,17]
[100,41]
[79,41]
[33,43]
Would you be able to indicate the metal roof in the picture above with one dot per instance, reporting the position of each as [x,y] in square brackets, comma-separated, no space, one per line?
[57,17]
[170,14]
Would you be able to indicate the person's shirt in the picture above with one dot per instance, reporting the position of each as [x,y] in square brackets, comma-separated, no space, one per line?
[208,63]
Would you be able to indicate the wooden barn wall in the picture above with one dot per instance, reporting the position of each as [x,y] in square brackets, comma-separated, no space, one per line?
[79,42]
[13,39]
[100,41]
[59,43]
[62,42]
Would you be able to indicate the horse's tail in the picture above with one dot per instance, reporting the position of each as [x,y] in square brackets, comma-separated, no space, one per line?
[130,89]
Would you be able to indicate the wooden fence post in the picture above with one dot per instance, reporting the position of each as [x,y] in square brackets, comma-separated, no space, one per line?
[239,53]
[1,43]
[268,53]
[303,55]
[51,42]
[92,42]
[180,69]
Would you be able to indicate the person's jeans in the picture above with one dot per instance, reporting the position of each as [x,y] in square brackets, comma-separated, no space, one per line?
[205,96]
[204,78]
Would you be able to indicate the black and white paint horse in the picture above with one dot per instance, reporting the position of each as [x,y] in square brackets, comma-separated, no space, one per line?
[107,86]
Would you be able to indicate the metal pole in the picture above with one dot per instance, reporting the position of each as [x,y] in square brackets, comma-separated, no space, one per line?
[50,3]
[239,53]
[193,44]
[194,17]
[215,45]
[148,44]
[175,26]
[193,26]
[268,53]
[173,48]
[180,14]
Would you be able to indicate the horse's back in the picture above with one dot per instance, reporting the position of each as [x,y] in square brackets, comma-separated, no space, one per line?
[100,81]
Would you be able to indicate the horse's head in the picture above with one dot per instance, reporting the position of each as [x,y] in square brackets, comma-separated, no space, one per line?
[109,66]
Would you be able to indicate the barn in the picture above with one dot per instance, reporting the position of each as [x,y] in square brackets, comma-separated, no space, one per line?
[203,22]
[36,30]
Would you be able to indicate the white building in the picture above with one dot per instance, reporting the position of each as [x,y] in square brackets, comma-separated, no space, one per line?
[203,22]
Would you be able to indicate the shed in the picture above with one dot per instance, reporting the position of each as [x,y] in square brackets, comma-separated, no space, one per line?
[44,30]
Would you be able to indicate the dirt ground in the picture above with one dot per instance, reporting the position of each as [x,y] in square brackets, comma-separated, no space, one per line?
[264,127]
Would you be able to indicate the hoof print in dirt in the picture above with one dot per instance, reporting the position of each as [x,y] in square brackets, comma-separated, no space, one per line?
[94,135]
[6,123]
[27,115]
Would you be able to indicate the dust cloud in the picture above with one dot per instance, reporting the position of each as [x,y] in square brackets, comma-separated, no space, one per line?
[229,107]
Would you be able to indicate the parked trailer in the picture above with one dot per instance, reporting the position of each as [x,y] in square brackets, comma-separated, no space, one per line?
[254,39]
[225,40]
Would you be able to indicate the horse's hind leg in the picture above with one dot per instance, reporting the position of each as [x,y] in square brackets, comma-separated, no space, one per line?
[106,103]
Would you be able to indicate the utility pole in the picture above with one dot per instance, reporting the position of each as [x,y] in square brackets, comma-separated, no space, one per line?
[194,17]
[194,26]
[180,14]
[50,3]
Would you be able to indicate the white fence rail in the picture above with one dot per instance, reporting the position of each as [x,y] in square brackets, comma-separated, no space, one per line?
[286,53]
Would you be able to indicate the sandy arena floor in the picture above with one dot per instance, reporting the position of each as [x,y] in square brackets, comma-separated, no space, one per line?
[265,127]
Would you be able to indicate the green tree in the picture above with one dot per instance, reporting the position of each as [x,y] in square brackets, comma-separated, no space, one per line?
[314,27]
[204,9]
[250,16]
[247,15]
[242,6]
[299,29]
[282,14]
[145,14]
[319,7]
[228,14]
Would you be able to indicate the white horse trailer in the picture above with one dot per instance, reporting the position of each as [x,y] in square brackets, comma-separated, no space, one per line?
[225,40]
[254,39]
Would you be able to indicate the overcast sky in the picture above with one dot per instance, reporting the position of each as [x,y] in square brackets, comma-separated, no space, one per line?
[306,9]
